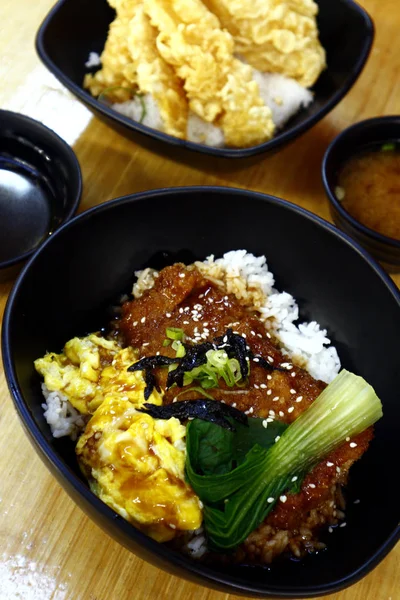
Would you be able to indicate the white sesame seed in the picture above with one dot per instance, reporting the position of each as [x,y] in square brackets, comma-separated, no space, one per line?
[134,323]
[343,524]
[172,526]
[269,392]
[243,334]
[329,464]
[281,413]
[181,275]
[293,374]
[347,439]
[256,359]
[294,478]
[257,387]
[205,324]
[181,310]
[292,391]
[145,343]
[158,353]
[269,377]
[251,410]
[259,335]
[201,296]
[142,320]
[168,315]
[270,420]
[270,359]
[186,322]
[330,529]
[357,501]
[275,399]
[290,409]
[352,444]
[263,386]
[268,336]
[278,437]
[270,500]
[265,423]
[338,469]
[299,398]
[312,485]
[272,412]
[234,405]
[283,498]
[252,332]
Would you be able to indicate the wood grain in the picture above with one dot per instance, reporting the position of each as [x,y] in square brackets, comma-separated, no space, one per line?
[49,550]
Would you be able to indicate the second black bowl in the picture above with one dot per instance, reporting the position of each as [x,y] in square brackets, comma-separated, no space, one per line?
[69,33]
[79,273]
[353,140]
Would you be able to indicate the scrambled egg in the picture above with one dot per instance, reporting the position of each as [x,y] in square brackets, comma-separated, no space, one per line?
[275,36]
[135,464]
[93,369]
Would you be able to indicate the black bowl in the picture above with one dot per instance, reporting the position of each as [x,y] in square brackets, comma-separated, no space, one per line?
[62,293]
[70,32]
[40,188]
[351,141]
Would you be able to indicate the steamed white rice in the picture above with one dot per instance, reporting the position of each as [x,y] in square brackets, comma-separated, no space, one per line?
[62,417]
[284,96]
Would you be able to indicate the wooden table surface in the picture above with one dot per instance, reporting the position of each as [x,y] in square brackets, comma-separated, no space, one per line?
[48,548]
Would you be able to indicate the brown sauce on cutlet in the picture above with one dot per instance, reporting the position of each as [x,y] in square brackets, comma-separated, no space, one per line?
[183,298]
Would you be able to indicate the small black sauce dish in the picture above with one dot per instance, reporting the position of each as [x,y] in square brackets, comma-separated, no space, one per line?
[353,140]
[40,188]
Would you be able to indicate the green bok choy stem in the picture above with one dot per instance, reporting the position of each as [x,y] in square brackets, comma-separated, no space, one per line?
[235,503]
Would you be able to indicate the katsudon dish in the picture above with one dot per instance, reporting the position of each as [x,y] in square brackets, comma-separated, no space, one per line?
[225,74]
[209,417]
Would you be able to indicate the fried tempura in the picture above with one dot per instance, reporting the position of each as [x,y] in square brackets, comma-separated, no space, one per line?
[155,76]
[219,87]
[114,59]
[131,62]
[275,36]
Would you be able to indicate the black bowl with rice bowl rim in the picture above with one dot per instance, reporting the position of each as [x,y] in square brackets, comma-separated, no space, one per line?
[70,24]
[311,260]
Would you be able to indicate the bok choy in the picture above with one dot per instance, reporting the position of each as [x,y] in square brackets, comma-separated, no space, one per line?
[239,491]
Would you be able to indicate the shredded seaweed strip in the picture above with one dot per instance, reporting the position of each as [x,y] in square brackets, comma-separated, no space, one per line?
[206,410]
[147,365]
[195,357]
[233,344]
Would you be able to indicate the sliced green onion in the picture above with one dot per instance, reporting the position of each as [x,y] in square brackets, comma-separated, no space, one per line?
[179,349]
[103,96]
[174,333]
[388,146]
[166,343]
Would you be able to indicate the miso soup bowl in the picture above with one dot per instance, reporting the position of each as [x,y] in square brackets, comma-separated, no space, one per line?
[70,284]
[351,141]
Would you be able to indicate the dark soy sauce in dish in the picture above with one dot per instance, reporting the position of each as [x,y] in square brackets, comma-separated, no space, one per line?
[26,207]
